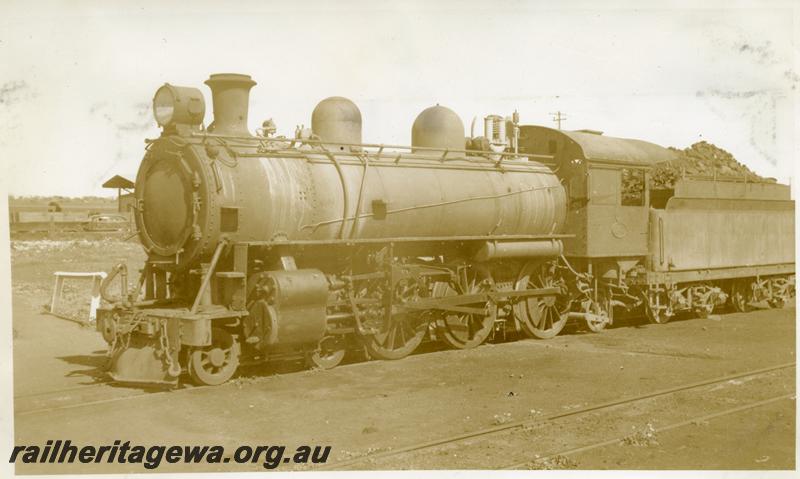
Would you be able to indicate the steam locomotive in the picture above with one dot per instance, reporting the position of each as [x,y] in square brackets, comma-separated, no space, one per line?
[263,247]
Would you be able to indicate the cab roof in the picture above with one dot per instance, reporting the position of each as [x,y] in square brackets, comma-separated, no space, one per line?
[592,145]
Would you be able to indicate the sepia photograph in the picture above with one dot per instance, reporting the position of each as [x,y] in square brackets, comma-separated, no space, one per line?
[433,239]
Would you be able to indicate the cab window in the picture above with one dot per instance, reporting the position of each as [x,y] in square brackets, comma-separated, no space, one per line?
[632,187]
[604,185]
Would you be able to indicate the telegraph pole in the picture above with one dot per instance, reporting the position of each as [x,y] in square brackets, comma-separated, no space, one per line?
[558,117]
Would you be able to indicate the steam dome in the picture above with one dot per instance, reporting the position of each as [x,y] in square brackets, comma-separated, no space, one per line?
[437,127]
[337,120]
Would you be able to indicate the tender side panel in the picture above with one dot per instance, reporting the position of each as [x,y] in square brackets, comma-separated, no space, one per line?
[698,188]
[703,234]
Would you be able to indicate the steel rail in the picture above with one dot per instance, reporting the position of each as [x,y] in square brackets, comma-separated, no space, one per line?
[156,390]
[426,445]
[668,427]
[550,417]
[163,390]
[69,389]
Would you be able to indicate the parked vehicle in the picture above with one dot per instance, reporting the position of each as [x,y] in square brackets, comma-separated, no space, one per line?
[106,222]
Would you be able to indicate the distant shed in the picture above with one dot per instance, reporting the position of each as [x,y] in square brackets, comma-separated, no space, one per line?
[124,200]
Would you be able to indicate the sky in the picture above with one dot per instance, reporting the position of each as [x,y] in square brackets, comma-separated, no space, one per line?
[77,78]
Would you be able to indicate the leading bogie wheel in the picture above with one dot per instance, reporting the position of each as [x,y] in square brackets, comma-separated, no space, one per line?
[542,317]
[213,365]
[329,353]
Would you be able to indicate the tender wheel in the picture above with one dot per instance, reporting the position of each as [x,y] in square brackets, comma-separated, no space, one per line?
[704,311]
[215,364]
[402,333]
[782,291]
[329,353]
[776,303]
[741,296]
[600,313]
[465,331]
[542,317]
[658,308]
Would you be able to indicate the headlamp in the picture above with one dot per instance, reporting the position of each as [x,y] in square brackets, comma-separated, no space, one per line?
[178,105]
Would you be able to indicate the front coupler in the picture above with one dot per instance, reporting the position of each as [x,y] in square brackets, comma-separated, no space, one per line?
[145,344]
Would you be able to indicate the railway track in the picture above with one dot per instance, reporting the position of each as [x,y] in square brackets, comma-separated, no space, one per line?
[41,397]
[675,425]
[631,400]
[65,390]
[426,348]
[77,400]
[81,396]
[45,398]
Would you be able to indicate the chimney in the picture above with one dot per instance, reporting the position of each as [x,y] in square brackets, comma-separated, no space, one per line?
[231,97]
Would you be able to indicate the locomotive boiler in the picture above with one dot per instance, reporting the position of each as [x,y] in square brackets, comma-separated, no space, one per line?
[263,246]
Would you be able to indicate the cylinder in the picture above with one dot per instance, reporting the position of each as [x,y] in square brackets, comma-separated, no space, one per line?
[297,306]
[337,120]
[231,99]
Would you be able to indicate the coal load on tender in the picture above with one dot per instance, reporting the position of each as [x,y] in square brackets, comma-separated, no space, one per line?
[701,159]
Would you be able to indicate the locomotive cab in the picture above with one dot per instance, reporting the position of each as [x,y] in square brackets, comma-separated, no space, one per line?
[608,203]
[606,181]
